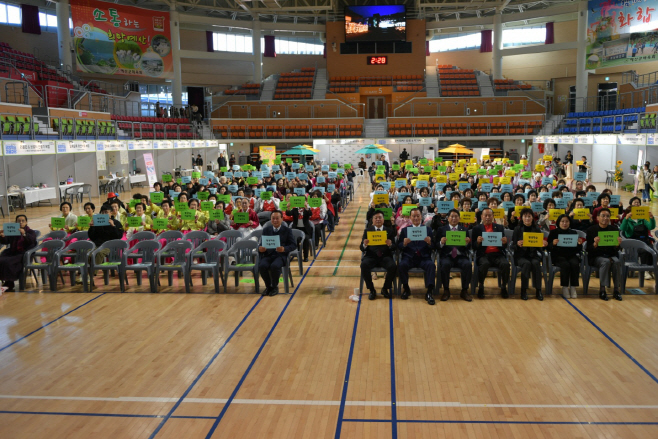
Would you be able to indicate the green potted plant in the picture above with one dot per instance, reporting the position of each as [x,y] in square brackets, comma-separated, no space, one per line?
[633,170]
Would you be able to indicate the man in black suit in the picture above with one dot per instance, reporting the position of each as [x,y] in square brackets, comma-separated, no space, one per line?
[378,256]
[454,257]
[272,260]
[490,256]
[417,254]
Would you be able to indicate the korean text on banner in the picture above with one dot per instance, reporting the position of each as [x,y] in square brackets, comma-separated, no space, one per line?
[114,39]
[150,169]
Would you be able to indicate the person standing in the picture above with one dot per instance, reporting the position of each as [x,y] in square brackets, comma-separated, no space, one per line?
[157,109]
[231,161]
[221,160]
[568,164]
[404,155]
[272,261]
[454,257]
[199,161]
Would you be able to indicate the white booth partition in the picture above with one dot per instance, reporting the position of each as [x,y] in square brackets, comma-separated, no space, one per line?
[182,155]
[29,164]
[112,157]
[76,160]
[197,147]
[136,151]
[210,154]
[163,156]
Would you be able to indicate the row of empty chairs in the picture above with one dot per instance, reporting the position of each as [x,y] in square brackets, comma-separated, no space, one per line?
[151,127]
[27,61]
[177,120]
[295,85]
[165,135]
[606,112]
[83,127]
[464,129]
[289,131]
[15,125]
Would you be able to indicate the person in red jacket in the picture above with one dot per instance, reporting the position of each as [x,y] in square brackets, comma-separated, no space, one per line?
[242,205]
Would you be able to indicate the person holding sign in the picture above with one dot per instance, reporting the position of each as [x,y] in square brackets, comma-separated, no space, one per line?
[192,219]
[70,219]
[165,212]
[453,244]
[318,209]
[603,202]
[579,215]
[639,229]
[145,221]
[415,244]
[565,247]
[513,218]
[82,223]
[490,255]
[218,222]
[378,250]
[602,255]
[272,256]
[101,234]
[526,240]
[22,239]
[252,223]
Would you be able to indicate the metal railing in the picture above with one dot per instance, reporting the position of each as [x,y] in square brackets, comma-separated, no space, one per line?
[157,130]
[632,123]
[639,80]
[466,107]
[56,128]
[635,99]
[286,132]
[289,109]
[465,129]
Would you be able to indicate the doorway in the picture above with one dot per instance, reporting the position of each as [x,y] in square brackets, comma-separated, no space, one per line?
[607,96]
[376,106]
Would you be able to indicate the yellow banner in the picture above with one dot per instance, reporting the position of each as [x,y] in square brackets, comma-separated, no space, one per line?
[467,217]
[377,238]
[553,214]
[533,239]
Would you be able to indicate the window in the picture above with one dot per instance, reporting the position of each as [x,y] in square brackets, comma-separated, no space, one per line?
[13,14]
[223,42]
[511,37]
[296,46]
[152,93]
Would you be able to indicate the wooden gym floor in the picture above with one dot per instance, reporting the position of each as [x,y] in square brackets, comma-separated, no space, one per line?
[313,364]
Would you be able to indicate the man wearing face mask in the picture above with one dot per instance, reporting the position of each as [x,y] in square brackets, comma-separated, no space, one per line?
[416,254]
[378,256]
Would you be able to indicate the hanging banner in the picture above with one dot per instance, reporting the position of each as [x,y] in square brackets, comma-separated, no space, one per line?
[197,143]
[163,144]
[632,139]
[652,139]
[150,169]
[181,144]
[139,144]
[75,146]
[110,145]
[29,147]
[268,153]
[621,33]
[211,143]
[115,39]
[101,164]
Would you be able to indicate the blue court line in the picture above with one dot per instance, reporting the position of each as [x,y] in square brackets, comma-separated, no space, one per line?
[343,398]
[644,369]
[203,371]
[394,412]
[51,322]
[262,346]
[424,421]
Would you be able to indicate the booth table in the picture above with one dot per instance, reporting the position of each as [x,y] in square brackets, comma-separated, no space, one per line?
[63,187]
[31,196]
[137,179]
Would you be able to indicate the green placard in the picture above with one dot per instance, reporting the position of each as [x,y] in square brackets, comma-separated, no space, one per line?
[438,160]
[157,197]
[442,168]
[134,202]
[381,168]
[223,169]
[608,239]
[482,171]
[83,222]
[266,195]
[526,175]
[498,168]
[517,168]
[203,195]
[334,166]
[456,238]
[387,211]
[196,175]
[414,170]
[179,180]
[166,178]
[241,217]
[160,223]
[423,161]
[216,214]
[297,201]
[315,202]
[207,206]
[408,167]
[277,161]
[57,222]
[266,161]
[395,167]
[283,206]
[348,166]
[252,180]
[187,215]
[180,206]
[246,167]
[289,161]
[406,210]
[224,198]
[427,168]
[134,221]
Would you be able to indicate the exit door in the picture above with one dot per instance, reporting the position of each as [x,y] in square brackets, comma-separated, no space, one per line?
[376,107]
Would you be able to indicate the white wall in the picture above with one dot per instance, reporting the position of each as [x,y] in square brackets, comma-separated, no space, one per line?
[628,155]
[603,159]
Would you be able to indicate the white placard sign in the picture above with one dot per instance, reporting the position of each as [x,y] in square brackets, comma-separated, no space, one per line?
[583,139]
[139,144]
[29,147]
[211,143]
[631,139]
[198,143]
[111,145]
[163,144]
[75,146]
[538,139]
[565,140]
[605,139]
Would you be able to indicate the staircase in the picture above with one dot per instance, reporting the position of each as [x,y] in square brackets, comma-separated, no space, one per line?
[484,82]
[320,87]
[269,84]
[375,128]
[44,128]
[551,126]
[205,132]
[432,82]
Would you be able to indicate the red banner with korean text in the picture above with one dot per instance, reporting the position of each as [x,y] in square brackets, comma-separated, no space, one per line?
[121,40]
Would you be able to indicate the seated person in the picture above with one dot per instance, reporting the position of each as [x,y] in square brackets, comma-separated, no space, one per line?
[218,226]
[490,256]
[101,234]
[604,258]
[417,254]
[527,258]
[272,261]
[147,222]
[11,258]
[454,257]
[378,256]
